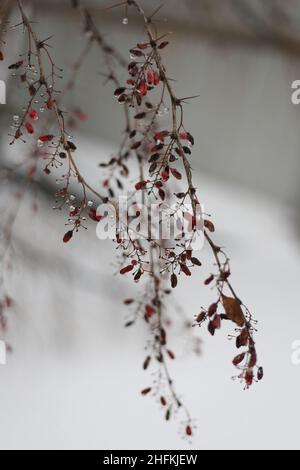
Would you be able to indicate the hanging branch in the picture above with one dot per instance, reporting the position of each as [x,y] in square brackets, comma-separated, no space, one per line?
[144,78]
[151,305]
[158,160]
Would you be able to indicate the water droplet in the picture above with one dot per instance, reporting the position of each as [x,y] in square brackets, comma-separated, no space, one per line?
[90,203]
[16,118]
[42,110]
[72,197]
[125,21]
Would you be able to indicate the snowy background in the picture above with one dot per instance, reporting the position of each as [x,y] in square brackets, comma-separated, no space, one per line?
[74,376]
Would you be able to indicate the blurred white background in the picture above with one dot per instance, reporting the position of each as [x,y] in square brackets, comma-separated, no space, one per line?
[74,377]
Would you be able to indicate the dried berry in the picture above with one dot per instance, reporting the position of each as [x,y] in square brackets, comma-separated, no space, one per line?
[174,280]
[196,262]
[185,269]
[212,309]
[238,359]
[16,65]
[68,236]
[260,373]
[146,362]
[127,269]
[163,45]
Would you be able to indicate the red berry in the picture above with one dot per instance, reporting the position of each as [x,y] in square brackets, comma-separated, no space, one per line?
[185,270]
[150,76]
[127,269]
[238,359]
[50,104]
[163,401]
[176,174]
[46,138]
[94,215]
[184,136]
[249,377]
[149,311]
[161,135]
[33,115]
[143,88]
[156,78]
[29,128]
[171,354]
[165,175]
[68,236]
[140,185]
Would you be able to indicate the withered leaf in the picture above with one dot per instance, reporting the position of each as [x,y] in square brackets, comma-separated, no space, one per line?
[209,225]
[233,310]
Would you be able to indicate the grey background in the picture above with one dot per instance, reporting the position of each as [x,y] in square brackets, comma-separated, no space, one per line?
[74,377]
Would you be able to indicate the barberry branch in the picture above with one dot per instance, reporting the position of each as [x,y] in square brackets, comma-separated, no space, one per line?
[233,306]
[146,149]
